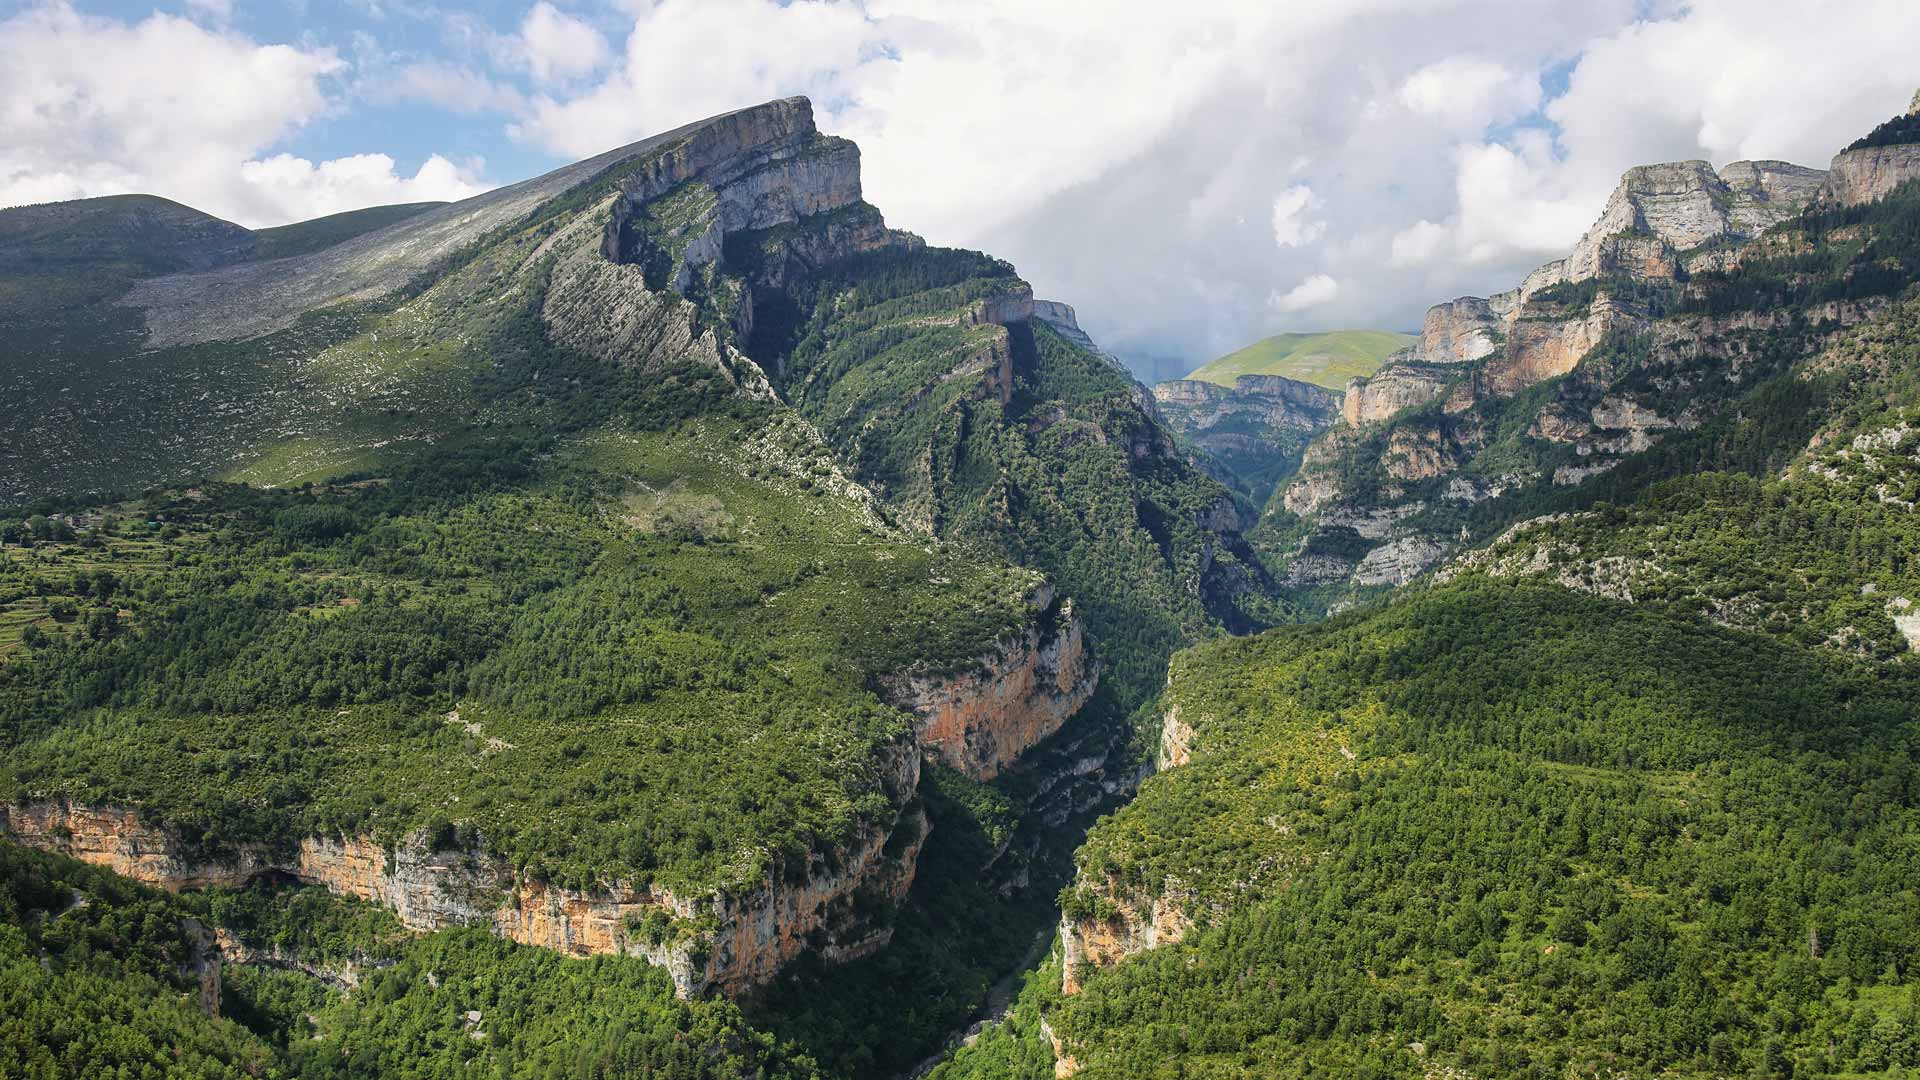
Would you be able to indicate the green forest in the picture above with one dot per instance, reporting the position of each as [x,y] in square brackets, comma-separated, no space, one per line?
[591,557]
[1508,829]
[97,979]
[565,651]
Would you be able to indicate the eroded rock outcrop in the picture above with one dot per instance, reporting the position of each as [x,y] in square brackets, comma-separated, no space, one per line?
[255,298]
[1176,740]
[730,939]
[1202,408]
[1129,923]
[1125,921]
[1659,211]
[621,274]
[1872,172]
[1539,349]
[1660,223]
[982,717]
[1397,562]
[1458,332]
[1401,386]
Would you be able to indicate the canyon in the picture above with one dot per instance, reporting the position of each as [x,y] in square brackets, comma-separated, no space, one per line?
[979,718]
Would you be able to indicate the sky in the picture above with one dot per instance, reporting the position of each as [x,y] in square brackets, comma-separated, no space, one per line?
[1191,176]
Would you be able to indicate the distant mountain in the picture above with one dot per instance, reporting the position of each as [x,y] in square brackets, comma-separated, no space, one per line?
[1328,359]
[1248,436]
[1676,320]
[65,255]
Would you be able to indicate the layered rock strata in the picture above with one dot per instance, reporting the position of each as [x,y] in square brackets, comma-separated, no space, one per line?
[729,939]
[983,717]
[1870,173]
[256,298]
[1425,415]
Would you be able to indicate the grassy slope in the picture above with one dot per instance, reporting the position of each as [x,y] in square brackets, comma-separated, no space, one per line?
[1328,359]
[302,237]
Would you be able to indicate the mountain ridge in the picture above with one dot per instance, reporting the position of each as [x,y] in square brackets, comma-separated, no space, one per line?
[874,561]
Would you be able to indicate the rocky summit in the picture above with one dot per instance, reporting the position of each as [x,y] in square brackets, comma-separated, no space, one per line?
[1438,423]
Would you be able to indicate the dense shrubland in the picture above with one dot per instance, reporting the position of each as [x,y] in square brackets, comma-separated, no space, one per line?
[96,980]
[1571,835]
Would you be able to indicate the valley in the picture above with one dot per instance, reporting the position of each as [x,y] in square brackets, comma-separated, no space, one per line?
[657,618]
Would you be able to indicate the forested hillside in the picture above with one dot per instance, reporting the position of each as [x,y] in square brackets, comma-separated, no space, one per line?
[661,561]
[102,977]
[1511,831]
[1627,790]
[655,619]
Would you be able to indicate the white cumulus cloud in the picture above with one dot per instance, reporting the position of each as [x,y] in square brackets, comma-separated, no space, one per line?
[1189,176]
[1467,93]
[558,46]
[1293,225]
[348,183]
[1311,293]
[1720,80]
[96,106]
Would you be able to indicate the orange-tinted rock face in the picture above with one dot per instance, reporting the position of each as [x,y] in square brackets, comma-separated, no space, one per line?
[1176,741]
[1394,388]
[983,718]
[1137,925]
[1541,349]
[1419,453]
[733,939]
[113,837]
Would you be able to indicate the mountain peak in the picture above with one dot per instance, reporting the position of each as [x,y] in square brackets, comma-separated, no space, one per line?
[243,301]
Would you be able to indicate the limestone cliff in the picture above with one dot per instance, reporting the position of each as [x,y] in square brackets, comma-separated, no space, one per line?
[1272,400]
[1661,223]
[980,718]
[1656,214]
[1458,332]
[1659,211]
[623,273]
[1176,741]
[1248,437]
[1126,921]
[255,298]
[1863,175]
[729,939]
[1539,349]
[1133,922]
[1402,385]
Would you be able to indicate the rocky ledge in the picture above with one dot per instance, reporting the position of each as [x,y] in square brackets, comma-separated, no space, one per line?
[1126,921]
[728,939]
[1861,176]
[1658,219]
[980,718]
